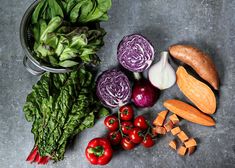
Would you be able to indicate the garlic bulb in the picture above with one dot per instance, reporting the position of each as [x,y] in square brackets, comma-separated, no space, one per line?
[161,74]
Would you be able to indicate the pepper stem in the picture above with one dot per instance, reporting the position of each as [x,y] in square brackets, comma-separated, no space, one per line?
[98,150]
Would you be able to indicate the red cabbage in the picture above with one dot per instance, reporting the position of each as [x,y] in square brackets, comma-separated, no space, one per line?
[113,88]
[135,53]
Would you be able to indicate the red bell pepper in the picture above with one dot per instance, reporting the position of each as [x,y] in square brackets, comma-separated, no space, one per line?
[99,151]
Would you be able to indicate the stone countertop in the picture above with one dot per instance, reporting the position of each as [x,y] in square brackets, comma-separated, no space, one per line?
[208,24]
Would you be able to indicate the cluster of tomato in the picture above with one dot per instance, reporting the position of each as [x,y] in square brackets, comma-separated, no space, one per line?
[127,130]
[124,130]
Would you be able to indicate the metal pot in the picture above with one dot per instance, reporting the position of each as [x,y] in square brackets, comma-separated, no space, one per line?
[30,63]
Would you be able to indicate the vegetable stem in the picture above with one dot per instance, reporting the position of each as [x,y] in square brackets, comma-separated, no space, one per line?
[120,127]
[137,75]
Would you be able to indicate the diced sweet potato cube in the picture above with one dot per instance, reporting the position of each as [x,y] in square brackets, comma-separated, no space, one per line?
[175,130]
[182,150]
[160,118]
[191,142]
[182,136]
[154,132]
[168,126]
[158,121]
[173,144]
[163,113]
[175,120]
[159,130]
[191,150]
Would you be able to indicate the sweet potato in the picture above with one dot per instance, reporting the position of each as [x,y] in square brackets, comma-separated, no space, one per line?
[196,91]
[182,150]
[159,130]
[160,118]
[191,150]
[173,144]
[189,143]
[188,112]
[175,130]
[198,60]
[168,126]
[182,136]
[175,120]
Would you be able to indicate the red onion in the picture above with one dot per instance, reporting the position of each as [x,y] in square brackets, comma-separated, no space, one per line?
[144,94]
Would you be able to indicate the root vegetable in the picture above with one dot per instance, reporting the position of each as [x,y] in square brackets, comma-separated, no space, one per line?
[159,130]
[160,118]
[175,120]
[196,91]
[168,126]
[198,60]
[190,143]
[182,150]
[175,130]
[188,112]
[173,144]
[182,136]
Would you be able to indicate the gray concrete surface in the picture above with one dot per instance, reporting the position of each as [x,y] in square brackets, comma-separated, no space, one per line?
[209,24]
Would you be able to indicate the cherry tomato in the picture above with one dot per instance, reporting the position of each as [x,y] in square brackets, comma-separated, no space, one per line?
[126,127]
[126,113]
[136,135]
[140,122]
[115,137]
[127,144]
[148,141]
[111,122]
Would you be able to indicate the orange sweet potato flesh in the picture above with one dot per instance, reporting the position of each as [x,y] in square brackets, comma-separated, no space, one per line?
[182,150]
[159,130]
[175,130]
[188,112]
[173,144]
[182,136]
[174,119]
[196,91]
[190,143]
[168,126]
[198,60]
[160,118]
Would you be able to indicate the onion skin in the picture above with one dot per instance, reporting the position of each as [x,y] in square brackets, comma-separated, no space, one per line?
[144,94]
[135,53]
[113,88]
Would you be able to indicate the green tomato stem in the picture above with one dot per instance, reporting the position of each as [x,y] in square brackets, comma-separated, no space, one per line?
[120,128]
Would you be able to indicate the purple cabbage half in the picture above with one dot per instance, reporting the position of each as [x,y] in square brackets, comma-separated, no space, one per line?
[135,53]
[113,88]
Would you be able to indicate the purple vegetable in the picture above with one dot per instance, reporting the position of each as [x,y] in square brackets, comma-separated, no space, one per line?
[144,94]
[135,53]
[113,88]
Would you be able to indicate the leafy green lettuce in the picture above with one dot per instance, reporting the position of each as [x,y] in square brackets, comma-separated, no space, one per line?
[61,106]
[66,33]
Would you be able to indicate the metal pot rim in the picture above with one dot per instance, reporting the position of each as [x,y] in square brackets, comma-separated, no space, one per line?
[23,34]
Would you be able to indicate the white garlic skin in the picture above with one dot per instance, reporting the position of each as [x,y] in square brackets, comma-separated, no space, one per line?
[161,74]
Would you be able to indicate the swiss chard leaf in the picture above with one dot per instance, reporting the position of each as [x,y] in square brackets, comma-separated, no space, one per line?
[61,106]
